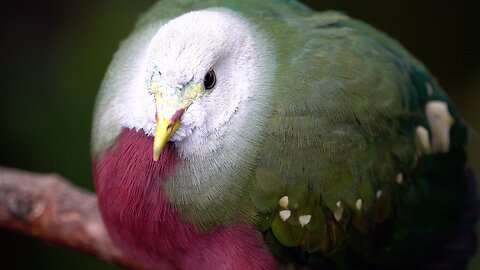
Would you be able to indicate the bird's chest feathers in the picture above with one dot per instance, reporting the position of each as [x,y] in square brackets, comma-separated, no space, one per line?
[131,196]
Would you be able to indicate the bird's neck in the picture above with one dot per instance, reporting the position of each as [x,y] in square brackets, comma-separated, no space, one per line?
[144,224]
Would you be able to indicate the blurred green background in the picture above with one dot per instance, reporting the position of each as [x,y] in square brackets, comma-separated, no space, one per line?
[54,55]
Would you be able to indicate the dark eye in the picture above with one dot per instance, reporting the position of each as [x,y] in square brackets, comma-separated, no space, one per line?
[210,80]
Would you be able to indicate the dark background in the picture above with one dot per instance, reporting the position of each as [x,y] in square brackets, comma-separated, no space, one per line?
[54,54]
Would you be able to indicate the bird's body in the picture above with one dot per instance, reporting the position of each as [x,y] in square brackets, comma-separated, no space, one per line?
[280,135]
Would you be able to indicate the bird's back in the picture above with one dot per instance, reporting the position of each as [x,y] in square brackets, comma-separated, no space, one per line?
[364,154]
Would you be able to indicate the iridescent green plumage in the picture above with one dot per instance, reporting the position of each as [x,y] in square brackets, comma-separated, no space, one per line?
[341,143]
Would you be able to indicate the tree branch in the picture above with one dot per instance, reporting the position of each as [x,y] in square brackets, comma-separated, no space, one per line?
[48,207]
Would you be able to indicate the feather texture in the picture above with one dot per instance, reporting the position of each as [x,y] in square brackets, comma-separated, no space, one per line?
[326,134]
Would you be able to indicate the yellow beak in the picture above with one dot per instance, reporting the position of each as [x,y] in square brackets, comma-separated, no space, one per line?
[164,130]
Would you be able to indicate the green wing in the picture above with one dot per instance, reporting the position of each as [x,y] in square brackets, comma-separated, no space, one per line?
[343,146]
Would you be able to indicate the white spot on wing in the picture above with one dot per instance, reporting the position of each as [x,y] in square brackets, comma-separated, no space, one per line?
[285,214]
[304,219]
[338,213]
[283,202]
[440,122]
[358,204]
[424,140]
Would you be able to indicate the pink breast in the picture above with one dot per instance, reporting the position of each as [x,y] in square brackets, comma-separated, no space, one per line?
[145,225]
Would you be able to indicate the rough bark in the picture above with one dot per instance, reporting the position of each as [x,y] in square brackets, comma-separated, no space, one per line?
[48,207]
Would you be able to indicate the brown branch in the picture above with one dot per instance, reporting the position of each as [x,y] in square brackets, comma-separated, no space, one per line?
[50,208]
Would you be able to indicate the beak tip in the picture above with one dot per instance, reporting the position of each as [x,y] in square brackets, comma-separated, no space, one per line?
[156,155]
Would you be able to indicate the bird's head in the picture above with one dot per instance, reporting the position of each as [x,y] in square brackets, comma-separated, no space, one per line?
[201,69]
[200,80]
[197,76]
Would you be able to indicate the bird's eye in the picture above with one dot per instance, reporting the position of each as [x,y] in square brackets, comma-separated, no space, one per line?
[210,80]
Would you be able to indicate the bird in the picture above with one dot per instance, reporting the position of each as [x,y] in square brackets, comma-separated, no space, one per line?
[267,135]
